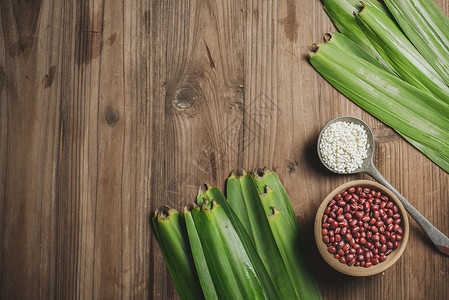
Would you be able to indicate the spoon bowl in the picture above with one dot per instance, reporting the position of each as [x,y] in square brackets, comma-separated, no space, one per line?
[368,162]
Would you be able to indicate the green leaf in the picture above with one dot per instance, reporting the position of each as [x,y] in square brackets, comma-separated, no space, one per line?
[172,237]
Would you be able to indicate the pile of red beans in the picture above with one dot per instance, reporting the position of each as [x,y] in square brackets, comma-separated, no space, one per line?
[361,227]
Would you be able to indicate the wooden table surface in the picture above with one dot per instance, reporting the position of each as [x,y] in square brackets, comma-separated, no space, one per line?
[110,109]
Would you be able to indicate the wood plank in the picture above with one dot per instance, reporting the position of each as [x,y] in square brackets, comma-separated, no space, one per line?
[30,114]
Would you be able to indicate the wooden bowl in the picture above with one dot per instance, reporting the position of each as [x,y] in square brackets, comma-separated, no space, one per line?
[361,271]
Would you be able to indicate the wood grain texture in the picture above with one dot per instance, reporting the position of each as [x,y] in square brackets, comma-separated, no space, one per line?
[109,109]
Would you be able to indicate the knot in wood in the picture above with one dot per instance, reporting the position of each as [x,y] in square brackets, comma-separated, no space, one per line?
[111,117]
[184,98]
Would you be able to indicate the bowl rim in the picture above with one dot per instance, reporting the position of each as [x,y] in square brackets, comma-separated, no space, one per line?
[360,271]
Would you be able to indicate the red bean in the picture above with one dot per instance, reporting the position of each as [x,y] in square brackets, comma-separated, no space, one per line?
[397,221]
[398,237]
[327,210]
[375,261]
[382,229]
[388,221]
[373,193]
[366,190]
[366,218]
[382,239]
[361,257]
[332,249]
[343,230]
[340,218]
[334,208]
[340,244]
[356,235]
[382,258]
[352,251]
[393,237]
[334,224]
[352,242]
[353,222]
[390,227]
[375,207]
[395,244]
[390,213]
[357,263]
[356,246]
[324,219]
[355,197]
[375,238]
[326,225]
[332,215]
[377,244]
[331,233]
[368,264]
[344,193]
[362,241]
[340,252]
[347,208]
[374,229]
[337,256]
[358,190]
[389,245]
[355,229]
[362,195]
[342,202]
[332,239]
[376,214]
[337,237]
[358,215]
[382,204]
[395,209]
[326,239]
[340,211]
[324,231]
[369,234]
[351,262]
[343,259]
[388,251]
[366,206]
[346,247]
[389,204]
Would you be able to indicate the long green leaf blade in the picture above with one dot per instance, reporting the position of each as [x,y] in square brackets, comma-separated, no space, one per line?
[230,267]
[289,244]
[341,12]
[172,237]
[263,238]
[427,27]
[235,198]
[262,273]
[409,64]
[205,279]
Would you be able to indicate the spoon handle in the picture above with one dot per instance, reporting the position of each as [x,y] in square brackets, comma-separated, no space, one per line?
[437,237]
